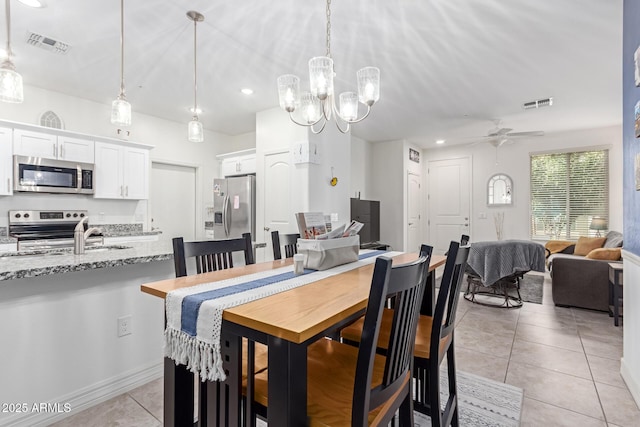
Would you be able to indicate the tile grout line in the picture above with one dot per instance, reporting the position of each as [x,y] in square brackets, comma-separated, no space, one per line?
[143,407]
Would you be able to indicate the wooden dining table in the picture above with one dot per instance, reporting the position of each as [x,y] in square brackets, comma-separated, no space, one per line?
[287,322]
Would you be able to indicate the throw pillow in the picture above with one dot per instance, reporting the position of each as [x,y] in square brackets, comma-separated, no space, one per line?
[607,254]
[587,244]
[614,240]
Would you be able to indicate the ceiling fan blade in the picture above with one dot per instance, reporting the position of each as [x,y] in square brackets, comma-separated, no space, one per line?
[499,132]
[532,133]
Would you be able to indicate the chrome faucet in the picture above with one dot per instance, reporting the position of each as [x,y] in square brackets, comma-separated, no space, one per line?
[80,236]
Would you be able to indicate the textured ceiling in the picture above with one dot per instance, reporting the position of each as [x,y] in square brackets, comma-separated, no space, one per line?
[448,67]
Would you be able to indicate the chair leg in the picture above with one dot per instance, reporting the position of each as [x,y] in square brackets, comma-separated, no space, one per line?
[434,395]
[453,386]
[406,410]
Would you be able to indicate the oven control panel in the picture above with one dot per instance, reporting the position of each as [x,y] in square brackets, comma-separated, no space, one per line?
[23,217]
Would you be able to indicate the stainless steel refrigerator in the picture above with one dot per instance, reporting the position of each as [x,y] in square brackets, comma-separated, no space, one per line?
[234,206]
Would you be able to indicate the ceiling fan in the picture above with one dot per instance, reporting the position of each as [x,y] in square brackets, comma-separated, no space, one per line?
[499,135]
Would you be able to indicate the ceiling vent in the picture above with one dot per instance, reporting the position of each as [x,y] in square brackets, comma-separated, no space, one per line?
[546,102]
[55,46]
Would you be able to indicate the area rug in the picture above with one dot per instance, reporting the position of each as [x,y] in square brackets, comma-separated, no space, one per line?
[531,286]
[481,402]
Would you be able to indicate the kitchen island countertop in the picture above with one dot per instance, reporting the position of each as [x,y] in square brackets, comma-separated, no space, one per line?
[21,266]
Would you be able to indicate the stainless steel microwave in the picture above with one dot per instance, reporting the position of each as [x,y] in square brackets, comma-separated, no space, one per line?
[52,176]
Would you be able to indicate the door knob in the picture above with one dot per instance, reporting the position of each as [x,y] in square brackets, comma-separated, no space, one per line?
[267,229]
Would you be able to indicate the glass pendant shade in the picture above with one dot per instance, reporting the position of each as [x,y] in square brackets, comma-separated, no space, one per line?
[368,85]
[310,107]
[121,112]
[289,92]
[321,76]
[349,106]
[10,86]
[196,132]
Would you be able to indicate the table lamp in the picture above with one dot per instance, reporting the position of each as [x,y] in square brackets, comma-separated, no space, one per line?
[598,223]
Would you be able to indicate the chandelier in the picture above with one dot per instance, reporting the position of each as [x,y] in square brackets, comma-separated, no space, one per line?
[10,81]
[196,132]
[120,108]
[318,105]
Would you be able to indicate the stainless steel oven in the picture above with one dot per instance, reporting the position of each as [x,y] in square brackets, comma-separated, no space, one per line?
[52,176]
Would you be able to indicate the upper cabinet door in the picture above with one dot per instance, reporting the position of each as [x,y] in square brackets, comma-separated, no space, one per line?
[108,171]
[75,149]
[135,173]
[6,163]
[34,144]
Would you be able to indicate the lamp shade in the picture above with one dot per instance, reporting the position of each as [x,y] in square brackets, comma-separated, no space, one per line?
[368,85]
[598,223]
[289,92]
[10,86]
[120,112]
[321,76]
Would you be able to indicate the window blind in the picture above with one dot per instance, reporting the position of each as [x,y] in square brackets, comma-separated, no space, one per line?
[567,191]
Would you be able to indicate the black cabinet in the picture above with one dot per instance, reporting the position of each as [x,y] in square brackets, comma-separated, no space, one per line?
[368,213]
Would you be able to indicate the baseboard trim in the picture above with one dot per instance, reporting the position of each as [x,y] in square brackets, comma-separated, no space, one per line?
[634,387]
[89,396]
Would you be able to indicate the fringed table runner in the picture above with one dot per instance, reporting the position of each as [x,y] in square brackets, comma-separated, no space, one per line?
[194,314]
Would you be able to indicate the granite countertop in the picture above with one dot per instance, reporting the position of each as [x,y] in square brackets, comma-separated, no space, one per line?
[41,264]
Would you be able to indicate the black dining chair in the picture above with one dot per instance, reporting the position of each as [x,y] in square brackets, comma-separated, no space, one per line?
[354,386]
[210,255]
[286,241]
[434,340]
[213,255]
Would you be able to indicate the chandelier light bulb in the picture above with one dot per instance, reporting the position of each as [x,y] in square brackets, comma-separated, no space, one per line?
[348,106]
[288,92]
[368,85]
[321,76]
[311,108]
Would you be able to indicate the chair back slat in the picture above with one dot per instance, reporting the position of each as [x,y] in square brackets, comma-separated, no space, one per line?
[406,282]
[288,241]
[210,255]
[444,315]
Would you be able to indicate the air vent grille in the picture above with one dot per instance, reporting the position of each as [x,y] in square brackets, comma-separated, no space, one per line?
[546,102]
[47,43]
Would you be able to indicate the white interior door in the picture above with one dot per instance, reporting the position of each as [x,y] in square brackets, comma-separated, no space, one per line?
[414,229]
[277,204]
[449,201]
[173,200]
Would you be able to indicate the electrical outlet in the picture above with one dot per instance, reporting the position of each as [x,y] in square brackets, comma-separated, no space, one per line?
[125,326]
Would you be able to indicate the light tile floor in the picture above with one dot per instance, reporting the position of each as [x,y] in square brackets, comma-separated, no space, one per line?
[566,360]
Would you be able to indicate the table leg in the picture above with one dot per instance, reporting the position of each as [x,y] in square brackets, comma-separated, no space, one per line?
[616,304]
[287,383]
[429,298]
[178,395]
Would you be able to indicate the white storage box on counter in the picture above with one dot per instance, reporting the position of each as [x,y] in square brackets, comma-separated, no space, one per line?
[324,254]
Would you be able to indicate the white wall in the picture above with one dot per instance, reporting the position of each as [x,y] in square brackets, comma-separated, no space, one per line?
[92,118]
[513,159]
[388,182]
[240,142]
[361,169]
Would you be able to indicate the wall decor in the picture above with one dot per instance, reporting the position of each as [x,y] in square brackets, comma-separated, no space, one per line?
[636,62]
[499,190]
[637,171]
[414,155]
[637,120]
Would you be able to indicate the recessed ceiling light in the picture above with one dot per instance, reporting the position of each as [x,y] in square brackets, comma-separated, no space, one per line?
[32,3]
[440,141]
[247,91]
[197,111]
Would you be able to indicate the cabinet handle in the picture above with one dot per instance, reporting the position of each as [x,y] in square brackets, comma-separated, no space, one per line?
[121,191]
[126,191]
[62,151]
[54,151]
[8,185]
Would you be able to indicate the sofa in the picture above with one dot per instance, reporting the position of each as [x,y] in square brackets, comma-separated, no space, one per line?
[580,271]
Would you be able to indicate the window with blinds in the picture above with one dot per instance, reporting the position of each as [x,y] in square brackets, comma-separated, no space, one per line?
[569,190]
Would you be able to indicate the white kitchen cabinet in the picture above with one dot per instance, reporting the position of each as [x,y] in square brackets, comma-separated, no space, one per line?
[239,165]
[44,145]
[121,172]
[6,162]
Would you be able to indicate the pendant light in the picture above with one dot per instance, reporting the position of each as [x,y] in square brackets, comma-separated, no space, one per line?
[10,81]
[196,132]
[120,108]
